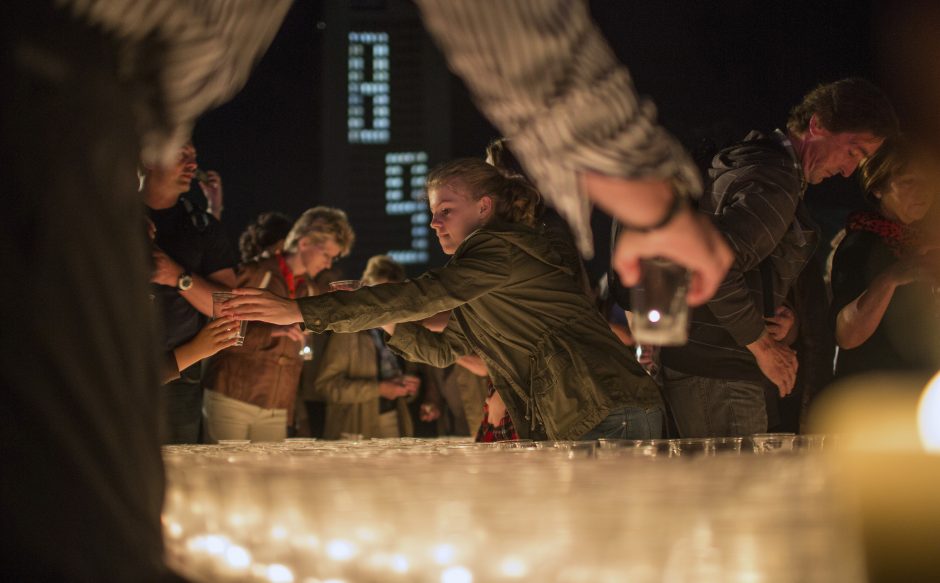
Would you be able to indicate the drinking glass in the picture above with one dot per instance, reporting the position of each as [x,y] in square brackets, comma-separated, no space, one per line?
[346,285]
[659,306]
[812,442]
[728,445]
[306,349]
[769,443]
[219,298]
[693,447]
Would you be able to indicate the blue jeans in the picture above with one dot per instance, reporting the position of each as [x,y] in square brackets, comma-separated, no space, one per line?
[706,407]
[629,423]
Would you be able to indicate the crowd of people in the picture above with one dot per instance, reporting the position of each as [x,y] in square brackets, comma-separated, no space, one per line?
[505,341]
[221,387]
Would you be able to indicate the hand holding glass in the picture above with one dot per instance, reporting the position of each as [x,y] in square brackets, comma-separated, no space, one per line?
[218,299]
[659,306]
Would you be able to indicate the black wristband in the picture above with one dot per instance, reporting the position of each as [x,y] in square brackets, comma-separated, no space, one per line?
[679,202]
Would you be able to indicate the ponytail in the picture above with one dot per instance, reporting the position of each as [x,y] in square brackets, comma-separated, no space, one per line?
[268,230]
[519,202]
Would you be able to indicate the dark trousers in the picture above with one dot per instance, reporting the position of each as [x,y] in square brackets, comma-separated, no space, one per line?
[316,417]
[82,483]
[183,412]
[707,407]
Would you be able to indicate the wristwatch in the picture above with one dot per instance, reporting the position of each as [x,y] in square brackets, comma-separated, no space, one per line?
[678,204]
[185,281]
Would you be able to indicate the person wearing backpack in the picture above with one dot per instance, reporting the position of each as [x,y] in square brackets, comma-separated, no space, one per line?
[740,341]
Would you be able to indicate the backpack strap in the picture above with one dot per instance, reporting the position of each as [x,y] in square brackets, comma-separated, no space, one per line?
[198,217]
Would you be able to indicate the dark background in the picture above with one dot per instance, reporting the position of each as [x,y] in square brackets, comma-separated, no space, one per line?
[715,69]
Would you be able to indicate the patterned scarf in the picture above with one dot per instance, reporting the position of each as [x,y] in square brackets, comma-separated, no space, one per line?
[899,237]
[488,433]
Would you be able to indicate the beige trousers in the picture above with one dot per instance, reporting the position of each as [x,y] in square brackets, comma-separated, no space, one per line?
[227,418]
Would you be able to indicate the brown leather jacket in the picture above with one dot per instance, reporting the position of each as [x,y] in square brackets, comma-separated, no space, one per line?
[265,371]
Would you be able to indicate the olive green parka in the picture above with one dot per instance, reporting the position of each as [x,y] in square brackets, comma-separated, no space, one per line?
[551,355]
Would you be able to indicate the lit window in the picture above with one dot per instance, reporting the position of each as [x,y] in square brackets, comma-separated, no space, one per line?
[405,173]
[368,114]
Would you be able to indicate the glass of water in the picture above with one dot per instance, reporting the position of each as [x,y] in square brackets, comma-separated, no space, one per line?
[659,306]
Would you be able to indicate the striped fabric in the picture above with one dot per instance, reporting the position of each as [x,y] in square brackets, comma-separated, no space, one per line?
[540,70]
[544,75]
[755,193]
[758,204]
[209,49]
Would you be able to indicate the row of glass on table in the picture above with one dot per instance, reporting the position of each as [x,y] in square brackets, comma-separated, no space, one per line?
[759,443]
[453,511]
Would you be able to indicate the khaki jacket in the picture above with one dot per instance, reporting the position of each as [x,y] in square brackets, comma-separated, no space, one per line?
[349,380]
[552,357]
[265,371]
[472,390]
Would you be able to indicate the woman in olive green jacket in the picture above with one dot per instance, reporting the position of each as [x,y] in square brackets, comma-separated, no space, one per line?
[553,359]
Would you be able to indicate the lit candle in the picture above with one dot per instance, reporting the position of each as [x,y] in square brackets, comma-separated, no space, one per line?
[888,429]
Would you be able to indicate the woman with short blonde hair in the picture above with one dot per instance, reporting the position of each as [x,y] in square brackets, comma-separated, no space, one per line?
[319,224]
[250,389]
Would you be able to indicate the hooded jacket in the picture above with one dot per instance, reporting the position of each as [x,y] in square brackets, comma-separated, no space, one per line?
[516,304]
[755,194]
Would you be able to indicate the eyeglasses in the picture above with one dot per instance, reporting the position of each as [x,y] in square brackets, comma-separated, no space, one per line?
[331,258]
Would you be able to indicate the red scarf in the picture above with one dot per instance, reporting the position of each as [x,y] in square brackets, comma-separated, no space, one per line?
[289,278]
[899,237]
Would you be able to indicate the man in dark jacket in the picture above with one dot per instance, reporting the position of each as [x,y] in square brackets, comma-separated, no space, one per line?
[192,258]
[739,343]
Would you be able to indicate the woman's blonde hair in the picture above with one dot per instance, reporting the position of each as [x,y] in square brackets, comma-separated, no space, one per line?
[890,161]
[321,223]
[383,267]
[515,200]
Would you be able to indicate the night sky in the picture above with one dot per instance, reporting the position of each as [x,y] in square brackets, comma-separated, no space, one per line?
[715,69]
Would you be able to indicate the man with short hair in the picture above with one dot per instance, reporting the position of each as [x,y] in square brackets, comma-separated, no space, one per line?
[739,343]
[192,258]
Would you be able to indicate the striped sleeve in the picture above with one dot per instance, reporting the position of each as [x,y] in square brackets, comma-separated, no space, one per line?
[760,204]
[209,49]
[544,75]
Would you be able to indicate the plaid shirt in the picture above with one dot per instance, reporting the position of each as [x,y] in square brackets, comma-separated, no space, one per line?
[504,431]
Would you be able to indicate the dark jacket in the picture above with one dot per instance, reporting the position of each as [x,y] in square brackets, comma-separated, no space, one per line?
[908,335]
[551,356]
[755,193]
